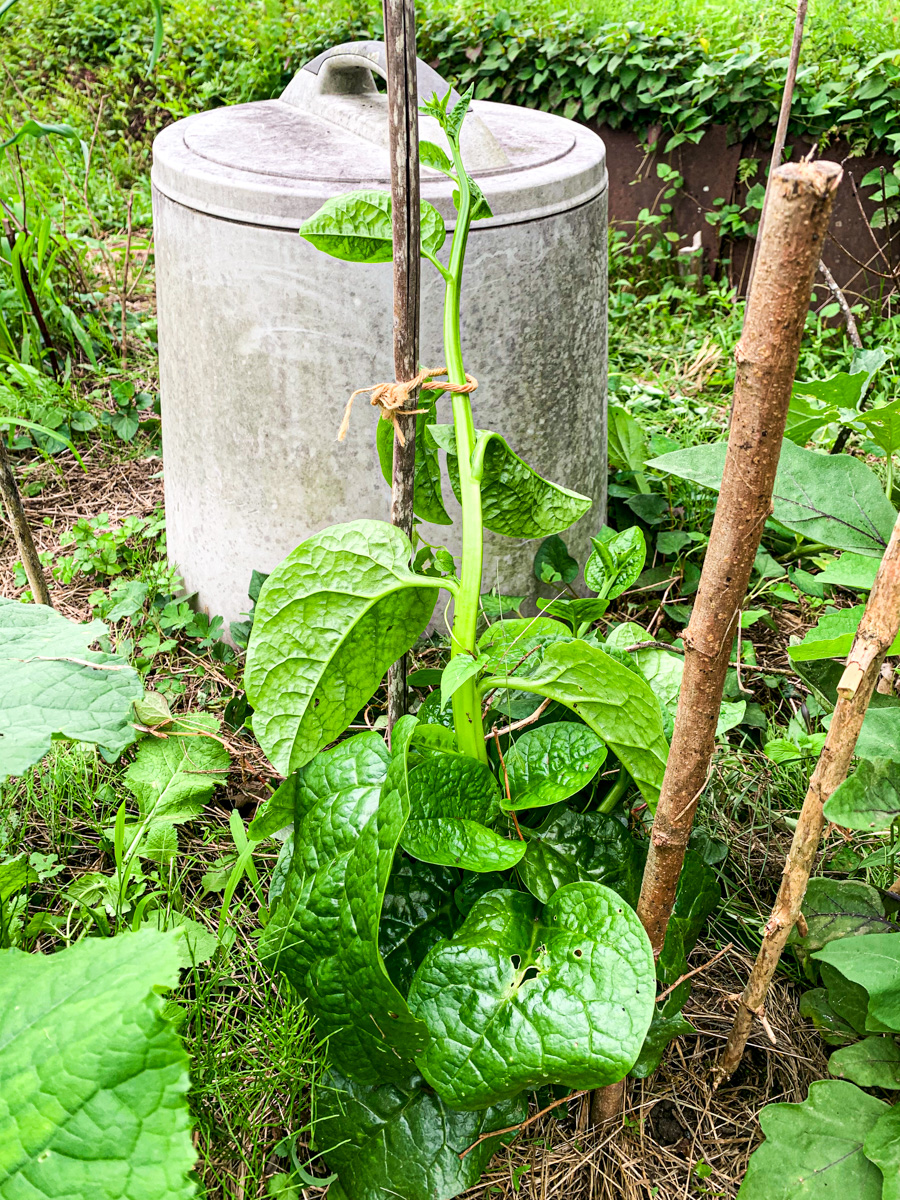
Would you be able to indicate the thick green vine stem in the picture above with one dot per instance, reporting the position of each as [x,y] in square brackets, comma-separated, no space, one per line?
[466,706]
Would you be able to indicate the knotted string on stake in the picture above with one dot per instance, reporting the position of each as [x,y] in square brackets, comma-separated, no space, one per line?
[391,398]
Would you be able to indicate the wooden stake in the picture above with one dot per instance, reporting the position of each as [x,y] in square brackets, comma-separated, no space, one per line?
[9,491]
[787,99]
[767,354]
[403,121]
[876,632]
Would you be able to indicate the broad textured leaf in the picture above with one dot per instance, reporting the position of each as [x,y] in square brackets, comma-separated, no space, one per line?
[613,701]
[460,842]
[628,447]
[832,636]
[174,774]
[515,500]
[882,1147]
[352,805]
[384,1142]
[855,571]
[15,875]
[551,763]
[837,908]
[518,646]
[879,736]
[330,620]
[807,415]
[616,562]
[357,227]
[428,499]
[418,911]
[873,1062]
[869,798]
[93,1079]
[834,499]
[520,998]
[52,683]
[553,563]
[815,1006]
[576,613]
[872,962]
[572,846]
[276,812]
[662,1032]
[816,1147]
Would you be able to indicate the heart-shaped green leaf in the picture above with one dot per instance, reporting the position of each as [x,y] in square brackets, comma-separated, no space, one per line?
[384,1142]
[613,701]
[458,842]
[869,799]
[553,563]
[551,763]
[351,808]
[515,500]
[572,846]
[816,1148]
[576,613]
[330,620]
[357,227]
[52,683]
[520,998]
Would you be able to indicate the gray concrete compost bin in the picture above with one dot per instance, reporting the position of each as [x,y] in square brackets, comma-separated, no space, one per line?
[262,338]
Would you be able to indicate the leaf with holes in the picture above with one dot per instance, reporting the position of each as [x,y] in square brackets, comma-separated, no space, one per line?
[52,684]
[873,1062]
[403,1144]
[571,846]
[515,500]
[330,620]
[94,1080]
[551,763]
[869,799]
[520,998]
[816,1145]
[357,227]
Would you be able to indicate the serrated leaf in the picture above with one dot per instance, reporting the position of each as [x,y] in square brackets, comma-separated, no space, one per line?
[352,804]
[330,620]
[551,763]
[837,908]
[15,875]
[553,563]
[873,1062]
[816,1145]
[174,775]
[520,998]
[94,1080]
[834,499]
[515,500]
[662,1032]
[613,701]
[882,1147]
[356,227]
[869,799]
[871,962]
[590,847]
[403,1144]
[616,563]
[428,499]
[52,683]
[418,911]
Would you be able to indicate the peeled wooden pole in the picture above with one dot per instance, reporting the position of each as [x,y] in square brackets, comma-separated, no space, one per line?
[876,632]
[403,131]
[12,502]
[767,353]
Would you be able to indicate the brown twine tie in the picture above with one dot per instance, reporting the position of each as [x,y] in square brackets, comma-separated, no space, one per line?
[392,397]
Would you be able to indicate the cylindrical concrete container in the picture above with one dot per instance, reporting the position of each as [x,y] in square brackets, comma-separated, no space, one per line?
[262,338]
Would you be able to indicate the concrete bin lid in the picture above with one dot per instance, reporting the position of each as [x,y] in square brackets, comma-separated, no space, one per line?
[274,162]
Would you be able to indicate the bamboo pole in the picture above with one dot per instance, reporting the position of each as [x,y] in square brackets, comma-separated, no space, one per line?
[403,129]
[876,632]
[9,492]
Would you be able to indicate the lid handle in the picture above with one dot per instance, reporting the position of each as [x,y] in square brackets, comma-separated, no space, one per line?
[337,85]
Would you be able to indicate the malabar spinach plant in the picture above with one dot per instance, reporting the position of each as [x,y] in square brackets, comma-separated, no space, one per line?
[455,908]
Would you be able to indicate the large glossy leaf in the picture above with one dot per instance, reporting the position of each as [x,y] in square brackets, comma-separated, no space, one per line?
[520,998]
[833,499]
[869,798]
[551,763]
[52,684]
[873,1062]
[572,846]
[357,227]
[351,808]
[384,1142]
[418,910]
[515,500]
[815,1149]
[330,620]
[613,701]
[459,842]
[93,1079]
[872,962]
[836,908]
[428,500]
[882,1147]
